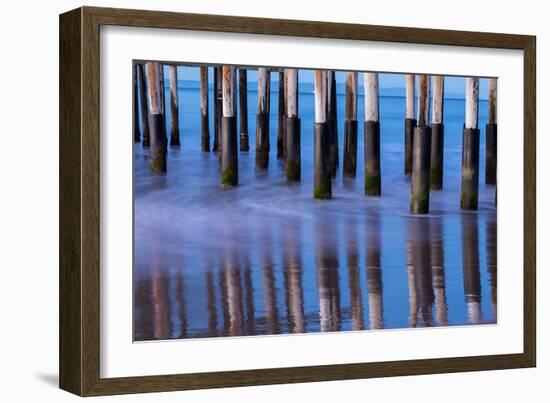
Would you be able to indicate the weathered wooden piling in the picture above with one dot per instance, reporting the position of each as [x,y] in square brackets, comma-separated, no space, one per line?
[332,120]
[157,125]
[205,126]
[135,105]
[350,126]
[174,107]
[436,165]
[262,119]
[373,182]
[229,160]
[410,122]
[322,184]
[420,183]
[470,147]
[293,128]
[217,107]
[281,127]
[491,136]
[143,104]
[243,110]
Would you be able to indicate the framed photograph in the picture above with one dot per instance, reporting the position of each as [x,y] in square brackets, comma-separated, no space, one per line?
[249,201]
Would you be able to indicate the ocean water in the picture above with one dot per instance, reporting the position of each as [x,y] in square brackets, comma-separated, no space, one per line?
[265,258]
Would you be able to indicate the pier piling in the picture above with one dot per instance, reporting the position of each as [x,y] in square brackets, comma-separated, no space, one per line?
[205,126]
[436,165]
[281,127]
[143,105]
[217,107]
[322,183]
[262,119]
[373,185]
[135,105]
[243,110]
[157,125]
[332,120]
[491,136]
[174,107]
[229,158]
[420,184]
[350,126]
[410,122]
[470,147]
[292,131]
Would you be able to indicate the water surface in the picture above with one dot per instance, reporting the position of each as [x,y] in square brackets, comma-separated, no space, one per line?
[265,258]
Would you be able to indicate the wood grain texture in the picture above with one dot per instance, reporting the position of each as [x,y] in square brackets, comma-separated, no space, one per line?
[70,274]
[79,200]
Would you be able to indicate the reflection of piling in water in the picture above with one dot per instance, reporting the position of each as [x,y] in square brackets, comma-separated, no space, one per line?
[270,289]
[218,96]
[350,126]
[292,261]
[374,273]
[174,106]
[410,122]
[470,267]
[143,310]
[180,303]
[470,147]
[332,120]
[322,184]
[281,122]
[491,228]
[436,165]
[262,119]
[438,270]
[420,183]
[230,279]
[248,297]
[411,284]
[211,302]
[135,106]
[161,303]
[373,178]
[422,280]
[243,110]
[143,104]
[229,160]
[491,136]
[205,125]
[328,281]
[234,297]
[352,259]
[292,131]
[224,299]
[157,125]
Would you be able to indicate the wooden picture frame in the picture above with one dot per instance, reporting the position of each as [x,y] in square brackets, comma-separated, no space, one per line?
[80,200]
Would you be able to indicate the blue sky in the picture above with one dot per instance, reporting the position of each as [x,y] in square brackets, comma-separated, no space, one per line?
[453,85]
